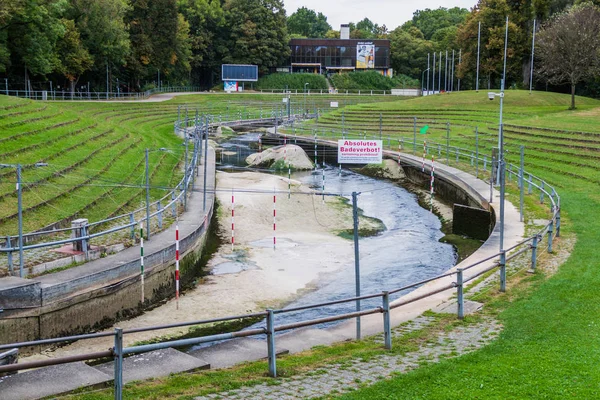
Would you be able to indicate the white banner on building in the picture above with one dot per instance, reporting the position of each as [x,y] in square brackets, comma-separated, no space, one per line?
[359,151]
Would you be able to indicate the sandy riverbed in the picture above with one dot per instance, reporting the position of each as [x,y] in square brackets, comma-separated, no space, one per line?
[307,247]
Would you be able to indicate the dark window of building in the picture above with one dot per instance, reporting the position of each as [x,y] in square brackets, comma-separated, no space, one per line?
[381,57]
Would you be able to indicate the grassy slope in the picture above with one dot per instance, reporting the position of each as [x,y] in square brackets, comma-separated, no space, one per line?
[549,347]
[104,144]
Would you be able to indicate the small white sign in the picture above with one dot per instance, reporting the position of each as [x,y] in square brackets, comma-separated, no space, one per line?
[359,151]
[285,99]
[334,104]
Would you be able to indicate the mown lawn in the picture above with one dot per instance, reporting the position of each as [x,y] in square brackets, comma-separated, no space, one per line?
[550,346]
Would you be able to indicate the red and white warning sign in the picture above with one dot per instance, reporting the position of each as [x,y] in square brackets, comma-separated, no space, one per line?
[359,151]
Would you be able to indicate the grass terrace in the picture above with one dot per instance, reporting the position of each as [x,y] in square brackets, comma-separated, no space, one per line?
[95,154]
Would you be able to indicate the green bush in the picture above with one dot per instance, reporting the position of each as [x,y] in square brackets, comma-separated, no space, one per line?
[371,80]
[292,81]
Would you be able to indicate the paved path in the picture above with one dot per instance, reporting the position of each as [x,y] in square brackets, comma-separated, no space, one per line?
[338,378]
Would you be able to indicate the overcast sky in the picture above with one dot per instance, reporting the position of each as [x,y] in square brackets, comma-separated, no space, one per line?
[392,13]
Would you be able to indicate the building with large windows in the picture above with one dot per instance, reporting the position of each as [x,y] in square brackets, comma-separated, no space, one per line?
[328,56]
[337,55]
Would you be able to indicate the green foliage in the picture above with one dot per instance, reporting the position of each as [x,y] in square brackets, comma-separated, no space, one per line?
[257,33]
[307,23]
[431,21]
[207,26]
[371,80]
[102,29]
[75,59]
[292,82]
[408,53]
[33,29]
[159,39]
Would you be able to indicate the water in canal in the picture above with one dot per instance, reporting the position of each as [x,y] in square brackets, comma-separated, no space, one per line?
[407,251]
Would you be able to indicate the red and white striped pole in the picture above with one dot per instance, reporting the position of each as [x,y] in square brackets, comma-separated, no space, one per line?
[431,184]
[177,263]
[424,153]
[274,219]
[142,257]
[232,220]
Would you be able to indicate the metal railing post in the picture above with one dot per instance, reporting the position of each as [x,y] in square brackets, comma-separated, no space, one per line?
[447,143]
[522,185]
[550,228]
[414,135]
[387,329]
[557,221]
[271,344]
[173,205]
[9,255]
[503,271]
[477,152]
[160,216]
[460,294]
[132,223]
[118,354]
[84,242]
[534,246]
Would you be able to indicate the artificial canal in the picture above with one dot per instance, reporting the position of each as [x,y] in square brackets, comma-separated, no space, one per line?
[407,251]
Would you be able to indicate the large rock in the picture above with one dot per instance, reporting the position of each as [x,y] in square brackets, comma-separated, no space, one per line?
[280,157]
[223,130]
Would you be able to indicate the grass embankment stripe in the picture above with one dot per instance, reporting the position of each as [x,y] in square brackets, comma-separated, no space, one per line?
[33,108]
[70,188]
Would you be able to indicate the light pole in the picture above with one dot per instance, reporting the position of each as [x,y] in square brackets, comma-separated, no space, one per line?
[20,209]
[305,85]
[501,166]
[422,78]
[148,192]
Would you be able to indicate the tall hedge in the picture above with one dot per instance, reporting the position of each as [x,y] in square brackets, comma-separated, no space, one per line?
[293,81]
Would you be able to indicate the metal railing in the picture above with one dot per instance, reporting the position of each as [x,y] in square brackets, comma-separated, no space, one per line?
[194,128]
[457,282]
[343,92]
[458,279]
[79,95]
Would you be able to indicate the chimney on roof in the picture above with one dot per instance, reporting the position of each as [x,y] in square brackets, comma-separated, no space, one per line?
[345,31]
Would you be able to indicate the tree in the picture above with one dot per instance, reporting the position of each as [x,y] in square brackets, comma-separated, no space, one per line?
[29,30]
[157,39]
[257,33]
[74,57]
[568,47]
[409,53]
[430,21]
[101,24]
[492,15]
[208,37]
[307,23]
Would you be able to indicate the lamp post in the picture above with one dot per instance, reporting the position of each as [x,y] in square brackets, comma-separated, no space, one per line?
[305,85]
[422,78]
[148,192]
[501,166]
[20,209]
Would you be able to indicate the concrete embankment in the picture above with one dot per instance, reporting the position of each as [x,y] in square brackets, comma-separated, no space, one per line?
[103,291]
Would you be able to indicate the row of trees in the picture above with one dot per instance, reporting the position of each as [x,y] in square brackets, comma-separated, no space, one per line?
[186,41]
[445,29]
[136,40]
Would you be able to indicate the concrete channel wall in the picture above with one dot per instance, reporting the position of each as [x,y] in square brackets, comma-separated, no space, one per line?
[99,293]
